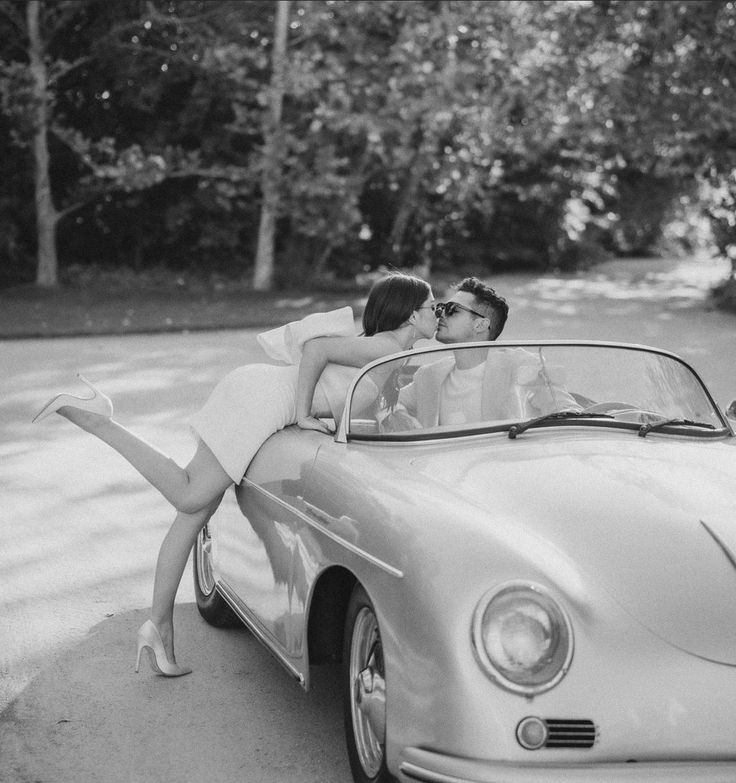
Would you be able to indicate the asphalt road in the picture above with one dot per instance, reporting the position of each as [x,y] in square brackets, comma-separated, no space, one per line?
[80,532]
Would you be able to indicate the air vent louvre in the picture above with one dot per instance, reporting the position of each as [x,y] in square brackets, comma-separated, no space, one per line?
[568,733]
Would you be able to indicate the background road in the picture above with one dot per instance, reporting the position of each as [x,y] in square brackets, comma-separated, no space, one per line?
[80,533]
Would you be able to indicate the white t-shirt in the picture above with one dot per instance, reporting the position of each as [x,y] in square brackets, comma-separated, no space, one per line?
[460,396]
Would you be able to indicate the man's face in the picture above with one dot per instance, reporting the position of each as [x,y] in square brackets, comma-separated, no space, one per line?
[462,326]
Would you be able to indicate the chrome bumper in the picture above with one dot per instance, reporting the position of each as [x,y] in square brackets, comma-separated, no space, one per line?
[428,767]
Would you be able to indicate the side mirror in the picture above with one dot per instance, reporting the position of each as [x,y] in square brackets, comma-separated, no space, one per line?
[731,410]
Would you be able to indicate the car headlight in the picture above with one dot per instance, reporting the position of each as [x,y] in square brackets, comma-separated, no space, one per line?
[522,637]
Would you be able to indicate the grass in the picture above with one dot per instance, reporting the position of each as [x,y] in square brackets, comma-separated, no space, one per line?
[94,301]
[115,303]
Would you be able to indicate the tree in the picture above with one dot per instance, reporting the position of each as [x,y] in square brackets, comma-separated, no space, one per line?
[401,131]
[659,80]
[273,151]
[33,74]
[25,89]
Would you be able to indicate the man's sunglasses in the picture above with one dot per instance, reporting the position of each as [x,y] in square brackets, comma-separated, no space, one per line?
[447,309]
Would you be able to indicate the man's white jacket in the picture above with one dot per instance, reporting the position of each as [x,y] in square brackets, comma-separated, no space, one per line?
[515,385]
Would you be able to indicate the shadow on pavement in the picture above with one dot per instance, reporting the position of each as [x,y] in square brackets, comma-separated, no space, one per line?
[89,717]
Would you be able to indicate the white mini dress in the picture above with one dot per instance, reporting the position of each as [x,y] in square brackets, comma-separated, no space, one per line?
[254,401]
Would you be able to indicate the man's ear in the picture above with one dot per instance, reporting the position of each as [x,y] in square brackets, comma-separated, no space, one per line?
[483,325]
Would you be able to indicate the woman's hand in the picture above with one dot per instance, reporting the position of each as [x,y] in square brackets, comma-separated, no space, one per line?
[313,423]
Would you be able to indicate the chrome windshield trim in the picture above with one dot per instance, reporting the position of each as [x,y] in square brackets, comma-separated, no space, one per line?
[321,525]
[341,434]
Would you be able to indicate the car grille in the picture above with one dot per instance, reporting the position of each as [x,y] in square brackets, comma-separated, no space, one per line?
[567,733]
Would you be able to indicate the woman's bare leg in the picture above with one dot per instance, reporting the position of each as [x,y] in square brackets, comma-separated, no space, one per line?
[195,491]
[172,559]
[189,489]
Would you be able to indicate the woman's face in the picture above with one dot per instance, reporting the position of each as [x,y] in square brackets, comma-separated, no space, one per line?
[426,321]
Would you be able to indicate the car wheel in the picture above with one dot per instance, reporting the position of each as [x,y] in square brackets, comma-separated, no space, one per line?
[212,606]
[364,690]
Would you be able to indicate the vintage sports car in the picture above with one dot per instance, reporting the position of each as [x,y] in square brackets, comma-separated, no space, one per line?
[541,587]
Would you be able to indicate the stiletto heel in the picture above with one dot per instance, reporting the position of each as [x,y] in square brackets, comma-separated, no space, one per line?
[97,403]
[150,639]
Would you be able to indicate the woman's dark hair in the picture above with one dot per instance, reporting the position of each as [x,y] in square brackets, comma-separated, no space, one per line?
[391,301]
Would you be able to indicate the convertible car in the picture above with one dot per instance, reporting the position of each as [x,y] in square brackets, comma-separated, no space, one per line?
[536,584]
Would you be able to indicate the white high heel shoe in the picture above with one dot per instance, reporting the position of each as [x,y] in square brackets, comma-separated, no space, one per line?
[150,639]
[97,403]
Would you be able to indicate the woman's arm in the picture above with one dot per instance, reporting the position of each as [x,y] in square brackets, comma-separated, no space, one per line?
[317,353]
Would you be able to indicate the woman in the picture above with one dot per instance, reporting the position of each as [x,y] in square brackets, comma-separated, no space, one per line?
[245,408]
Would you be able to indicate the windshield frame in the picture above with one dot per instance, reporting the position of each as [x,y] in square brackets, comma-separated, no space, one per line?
[342,436]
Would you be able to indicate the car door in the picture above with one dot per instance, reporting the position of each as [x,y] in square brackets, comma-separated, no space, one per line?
[260,556]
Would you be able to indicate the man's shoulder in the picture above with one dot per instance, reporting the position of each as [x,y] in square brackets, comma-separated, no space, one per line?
[437,367]
[512,354]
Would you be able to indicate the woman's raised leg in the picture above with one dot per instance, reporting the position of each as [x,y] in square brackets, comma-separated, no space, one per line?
[189,489]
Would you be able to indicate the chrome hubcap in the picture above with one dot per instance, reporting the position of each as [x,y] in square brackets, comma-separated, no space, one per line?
[204,562]
[368,692]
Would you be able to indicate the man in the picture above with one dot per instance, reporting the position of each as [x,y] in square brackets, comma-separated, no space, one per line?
[474,312]
[475,385]
[451,390]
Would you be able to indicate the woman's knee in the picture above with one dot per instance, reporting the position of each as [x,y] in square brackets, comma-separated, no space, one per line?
[207,481]
[192,506]
[200,500]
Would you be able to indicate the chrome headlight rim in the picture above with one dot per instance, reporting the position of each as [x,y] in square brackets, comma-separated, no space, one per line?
[482,656]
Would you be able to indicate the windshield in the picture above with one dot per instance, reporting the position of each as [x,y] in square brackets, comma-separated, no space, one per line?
[458,390]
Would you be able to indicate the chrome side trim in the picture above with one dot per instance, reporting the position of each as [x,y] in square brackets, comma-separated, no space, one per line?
[254,626]
[322,527]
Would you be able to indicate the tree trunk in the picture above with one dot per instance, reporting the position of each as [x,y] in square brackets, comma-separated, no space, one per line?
[46,213]
[272,155]
[407,201]
[425,149]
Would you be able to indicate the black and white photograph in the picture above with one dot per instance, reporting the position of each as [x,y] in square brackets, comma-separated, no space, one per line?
[368,391]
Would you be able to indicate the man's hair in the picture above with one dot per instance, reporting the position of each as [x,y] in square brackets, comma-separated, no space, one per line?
[494,305]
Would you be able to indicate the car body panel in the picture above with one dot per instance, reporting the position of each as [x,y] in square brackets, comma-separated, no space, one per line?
[634,536]
[652,551]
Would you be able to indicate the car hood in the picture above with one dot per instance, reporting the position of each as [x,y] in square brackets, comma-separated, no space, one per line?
[652,521]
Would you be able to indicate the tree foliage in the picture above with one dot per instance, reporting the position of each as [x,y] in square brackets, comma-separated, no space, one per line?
[428,133]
